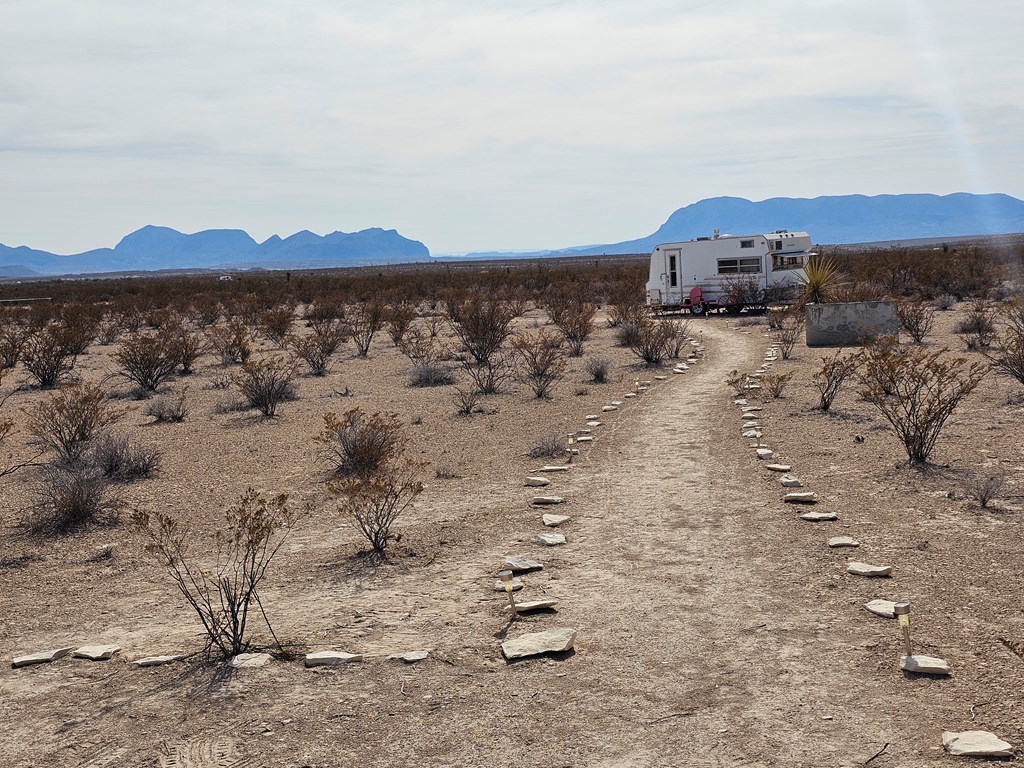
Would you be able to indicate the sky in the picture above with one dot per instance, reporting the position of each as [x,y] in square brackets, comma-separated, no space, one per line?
[484,125]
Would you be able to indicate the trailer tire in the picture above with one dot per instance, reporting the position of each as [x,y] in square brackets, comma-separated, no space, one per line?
[697,309]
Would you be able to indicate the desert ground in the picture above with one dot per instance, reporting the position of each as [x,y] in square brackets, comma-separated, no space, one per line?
[714,626]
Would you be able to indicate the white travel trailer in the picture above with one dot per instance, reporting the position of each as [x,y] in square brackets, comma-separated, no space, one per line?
[725,271]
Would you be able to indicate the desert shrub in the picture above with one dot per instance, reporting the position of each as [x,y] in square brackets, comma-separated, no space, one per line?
[626,306]
[978,328]
[121,461]
[187,344]
[576,322]
[315,350]
[232,342]
[12,343]
[70,496]
[78,325]
[110,331]
[71,417]
[375,502]
[775,318]
[489,377]
[205,313]
[549,446]
[788,332]
[597,369]
[984,488]
[358,445]
[6,428]
[147,361]
[542,360]
[223,592]
[821,274]
[677,337]
[916,392]
[47,356]
[433,324]
[362,324]
[651,343]
[738,383]
[916,317]
[834,371]
[467,401]
[168,409]
[430,375]
[945,302]
[419,346]
[265,384]
[627,333]
[775,383]
[483,326]
[276,323]
[398,320]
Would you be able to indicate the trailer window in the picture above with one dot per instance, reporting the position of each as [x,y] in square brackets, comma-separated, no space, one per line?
[746,243]
[739,266]
[672,270]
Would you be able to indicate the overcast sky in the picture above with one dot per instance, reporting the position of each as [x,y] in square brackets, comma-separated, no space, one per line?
[489,125]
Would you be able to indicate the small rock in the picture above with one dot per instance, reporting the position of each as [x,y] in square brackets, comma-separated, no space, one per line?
[750,433]
[533,605]
[593,423]
[584,439]
[409,657]
[96,652]
[801,497]
[537,482]
[616,402]
[582,431]
[788,481]
[609,408]
[549,539]
[250,660]
[517,584]
[547,500]
[778,467]
[925,665]
[42,657]
[556,468]
[591,417]
[843,541]
[553,521]
[630,394]
[155,661]
[866,569]
[522,564]
[975,744]
[739,401]
[819,517]
[678,370]
[751,408]
[884,608]
[331,658]
[765,453]
[535,643]
[660,378]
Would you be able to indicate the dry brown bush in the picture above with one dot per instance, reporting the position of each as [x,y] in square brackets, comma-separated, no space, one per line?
[147,360]
[358,445]
[789,330]
[66,421]
[482,325]
[834,371]
[316,349]
[576,322]
[265,384]
[47,356]
[376,502]
[775,383]
[651,341]
[232,342]
[362,323]
[916,317]
[542,359]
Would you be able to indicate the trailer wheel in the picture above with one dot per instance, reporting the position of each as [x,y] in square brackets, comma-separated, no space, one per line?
[697,309]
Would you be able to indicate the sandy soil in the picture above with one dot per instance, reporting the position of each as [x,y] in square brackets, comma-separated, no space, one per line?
[715,628]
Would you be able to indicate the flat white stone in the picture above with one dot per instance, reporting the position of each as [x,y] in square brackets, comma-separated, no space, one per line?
[753,386]
[660,378]
[517,584]
[884,608]
[532,605]
[155,661]
[537,482]
[788,481]
[250,660]
[582,431]
[96,652]
[593,423]
[610,408]
[522,564]
[866,569]
[678,370]
[765,453]
[409,657]
[584,439]
[801,497]
[751,425]
[553,521]
[616,402]
[751,408]
[925,665]
[751,433]
[739,401]
[549,539]
[630,394]
[778,467]
[535,643]
[546,500]
[41,657]
[843,541]
[556,468]
[819,517]
[591,416]
[331,658]
[975,744]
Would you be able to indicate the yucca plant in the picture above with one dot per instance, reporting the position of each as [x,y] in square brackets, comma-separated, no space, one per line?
[821,276]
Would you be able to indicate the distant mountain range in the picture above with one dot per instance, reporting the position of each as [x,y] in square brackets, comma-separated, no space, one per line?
[154,248]
[829,220]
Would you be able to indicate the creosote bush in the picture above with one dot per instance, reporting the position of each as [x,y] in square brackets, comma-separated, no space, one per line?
[597,368]
[775,383]
[69,497]
[362,323]
[651,341]
[47,356]
[549,446]
[916,391]
[223,588]
[359,445]
[121,461]
[315,350]
[265,384]
[576,322]
[542,360]
[834,371]
[146,360]
[168,409]
[916,317]
[69,418]
[375,502]
[232,342]
[482,325]
[984,488]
